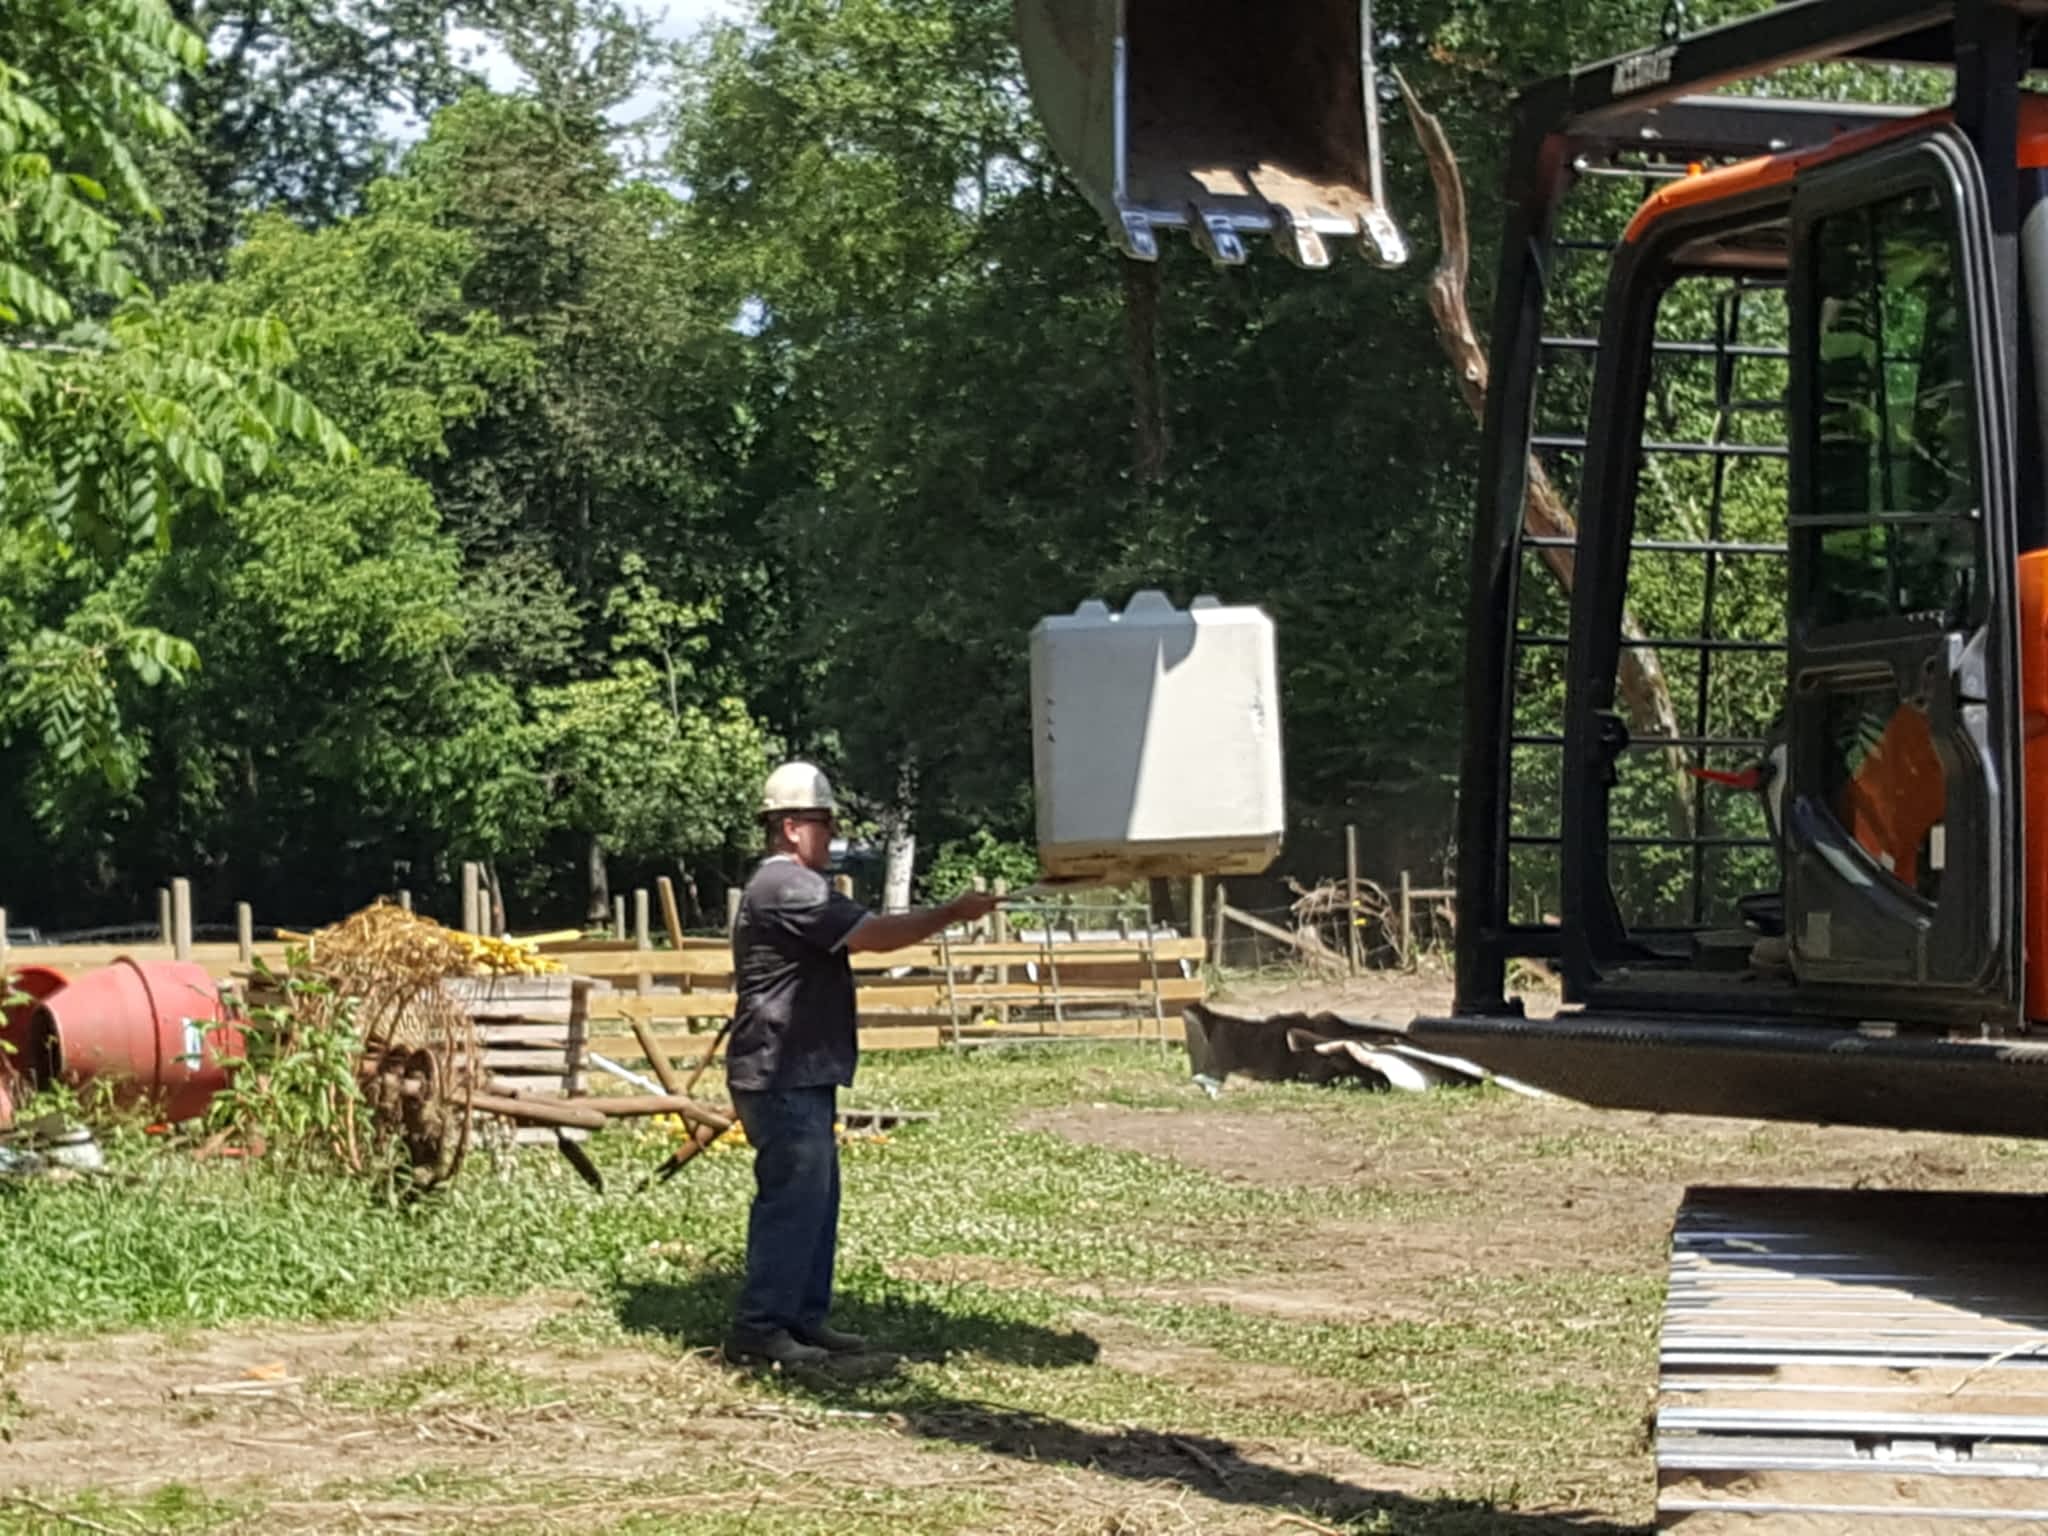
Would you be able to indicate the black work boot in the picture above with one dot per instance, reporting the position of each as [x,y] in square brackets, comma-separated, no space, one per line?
[837,1340]
[776,1348]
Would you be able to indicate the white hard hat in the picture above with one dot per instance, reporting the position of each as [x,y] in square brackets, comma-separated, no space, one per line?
[797,787]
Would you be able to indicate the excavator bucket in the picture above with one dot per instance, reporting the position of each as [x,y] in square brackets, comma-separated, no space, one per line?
[1227,118]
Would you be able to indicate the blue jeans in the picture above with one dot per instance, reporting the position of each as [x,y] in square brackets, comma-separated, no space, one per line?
[793,1228]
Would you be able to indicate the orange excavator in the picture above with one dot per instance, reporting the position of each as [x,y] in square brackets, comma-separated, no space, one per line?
[1789,359]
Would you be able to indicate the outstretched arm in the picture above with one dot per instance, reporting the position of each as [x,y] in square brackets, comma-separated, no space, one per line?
[900,930]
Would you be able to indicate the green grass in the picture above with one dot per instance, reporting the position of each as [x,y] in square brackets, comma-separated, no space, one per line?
[167,1242]
[1039,1289]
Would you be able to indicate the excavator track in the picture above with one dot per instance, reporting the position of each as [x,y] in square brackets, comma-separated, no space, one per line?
[1839,1362]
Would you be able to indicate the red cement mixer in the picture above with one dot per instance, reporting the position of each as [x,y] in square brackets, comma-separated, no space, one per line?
[158,1028]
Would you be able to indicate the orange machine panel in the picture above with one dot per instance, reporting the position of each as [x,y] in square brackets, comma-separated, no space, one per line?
[2033,584]
[1778,170]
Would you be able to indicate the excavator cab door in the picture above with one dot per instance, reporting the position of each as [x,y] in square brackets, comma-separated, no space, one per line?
[1902,810]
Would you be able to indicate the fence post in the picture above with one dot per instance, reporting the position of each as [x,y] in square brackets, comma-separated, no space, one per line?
[245,933]
[619,918]
[1197,909]
[642,939]
[472,906]
[1351,895]
[1407,922]
[163,916]
[1216,945]
[181,918]
[732,908]
[404,900]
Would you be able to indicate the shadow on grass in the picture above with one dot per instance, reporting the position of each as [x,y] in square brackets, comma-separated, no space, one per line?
[694,1313]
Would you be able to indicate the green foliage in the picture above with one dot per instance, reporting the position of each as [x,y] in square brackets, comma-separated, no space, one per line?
[296,1093]
[115,413]
[788,446]
[956,864]
[293,106]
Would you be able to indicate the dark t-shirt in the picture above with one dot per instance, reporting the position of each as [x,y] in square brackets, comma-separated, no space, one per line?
[793,1026]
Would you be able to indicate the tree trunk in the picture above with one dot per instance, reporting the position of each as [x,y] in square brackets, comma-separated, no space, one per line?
[1640,677]
[691,899]
[598,908]
[899,842]
[1141,359]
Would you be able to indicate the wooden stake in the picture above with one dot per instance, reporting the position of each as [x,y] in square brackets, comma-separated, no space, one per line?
[245,932]
[711,1055]
[1351,896]
[472,903]
[163,916]
[671,917]
[1407,922]
[642,937]
[1216,944]
[999,929]
[1198,912]
[732,908]
[181,918]
[404,900]
[619,918]
[657,1058]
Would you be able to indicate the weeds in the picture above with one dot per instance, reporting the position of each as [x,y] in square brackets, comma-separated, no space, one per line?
[297,1094]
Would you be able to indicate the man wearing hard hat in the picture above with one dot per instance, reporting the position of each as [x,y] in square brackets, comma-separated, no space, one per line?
[793,1048]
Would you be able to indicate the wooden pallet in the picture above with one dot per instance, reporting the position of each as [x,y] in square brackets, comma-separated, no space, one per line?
[533,1036]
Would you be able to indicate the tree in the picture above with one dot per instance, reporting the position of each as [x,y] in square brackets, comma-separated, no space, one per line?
[293,108]
[330,723]
[117,416]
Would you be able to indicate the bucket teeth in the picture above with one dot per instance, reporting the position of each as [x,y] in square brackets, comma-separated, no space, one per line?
[1140,241]
[1217,236]
[1381,237]
[1299,242]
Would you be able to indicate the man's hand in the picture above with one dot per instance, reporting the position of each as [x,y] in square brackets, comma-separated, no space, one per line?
[971,907]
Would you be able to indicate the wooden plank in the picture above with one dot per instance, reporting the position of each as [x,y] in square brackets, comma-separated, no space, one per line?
[882,1002]
[714,961]
[661,1005]
[631,962]
[930,1033]
[1166,949]
[554,1037]
[545,1058]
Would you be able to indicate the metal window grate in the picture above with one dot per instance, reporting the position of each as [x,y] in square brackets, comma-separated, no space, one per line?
[1741,410]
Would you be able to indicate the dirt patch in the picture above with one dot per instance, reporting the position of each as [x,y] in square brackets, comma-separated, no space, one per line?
[560,1435]
[1498,1188]
[1255,1149]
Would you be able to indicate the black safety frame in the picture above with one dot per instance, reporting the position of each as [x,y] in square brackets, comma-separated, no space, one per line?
[1652,99]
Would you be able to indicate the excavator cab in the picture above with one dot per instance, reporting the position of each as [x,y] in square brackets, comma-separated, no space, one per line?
[1752,757]
[1227,118]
